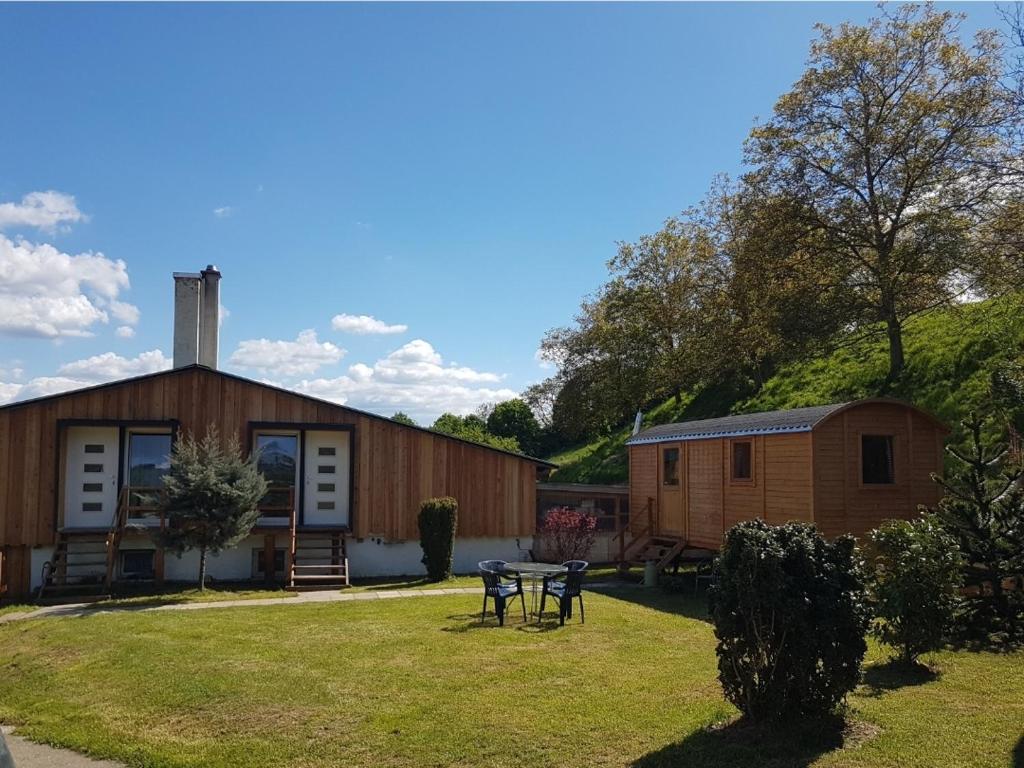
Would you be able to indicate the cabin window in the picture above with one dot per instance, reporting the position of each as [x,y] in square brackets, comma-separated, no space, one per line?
[278,461]
[876,460]
[743,460]
[670,466]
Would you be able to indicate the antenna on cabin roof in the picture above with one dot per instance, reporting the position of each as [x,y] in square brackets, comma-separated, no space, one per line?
[638,422]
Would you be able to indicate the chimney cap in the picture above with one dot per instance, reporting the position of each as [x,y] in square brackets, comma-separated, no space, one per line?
[211,269]
[186,275]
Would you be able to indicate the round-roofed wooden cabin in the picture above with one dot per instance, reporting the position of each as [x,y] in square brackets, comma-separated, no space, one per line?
[845,467]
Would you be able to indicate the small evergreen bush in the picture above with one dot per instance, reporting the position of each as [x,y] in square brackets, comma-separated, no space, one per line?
[914,583]
[790,617]
[437,521]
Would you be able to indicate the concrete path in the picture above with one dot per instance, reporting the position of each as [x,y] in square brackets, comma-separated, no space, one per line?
[75,610]
[28,754]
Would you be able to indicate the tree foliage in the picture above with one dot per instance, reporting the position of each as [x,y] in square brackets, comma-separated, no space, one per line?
[790,617]
[567,534]
[474,429]
[403,418]
[895,145]
[983,509]
[514,419]
[210,499]
[914,582]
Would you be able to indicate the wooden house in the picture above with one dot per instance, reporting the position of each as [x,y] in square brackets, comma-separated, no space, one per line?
[844,467]
[78,471]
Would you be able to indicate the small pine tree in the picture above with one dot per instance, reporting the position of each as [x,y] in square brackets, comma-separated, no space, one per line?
[983,509]
[210,497]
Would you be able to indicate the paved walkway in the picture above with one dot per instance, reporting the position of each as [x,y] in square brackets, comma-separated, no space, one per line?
[28,754]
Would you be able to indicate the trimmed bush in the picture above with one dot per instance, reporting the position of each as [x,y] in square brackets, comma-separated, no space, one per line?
[790,616]
[914,583]
[437,521]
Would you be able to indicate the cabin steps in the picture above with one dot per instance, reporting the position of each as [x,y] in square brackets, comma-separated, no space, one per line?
[663,550]
[319,560]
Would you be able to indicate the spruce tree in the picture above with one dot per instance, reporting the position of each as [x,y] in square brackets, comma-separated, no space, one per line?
[210,497]
[983,508]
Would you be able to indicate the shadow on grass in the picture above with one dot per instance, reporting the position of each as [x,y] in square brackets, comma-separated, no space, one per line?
[1018,753]
[739,743]
[895,674]
[679,603]
[470,622]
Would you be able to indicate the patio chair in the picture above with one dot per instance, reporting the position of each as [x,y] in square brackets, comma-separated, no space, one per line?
[564,590]
[576,565]
[499,590]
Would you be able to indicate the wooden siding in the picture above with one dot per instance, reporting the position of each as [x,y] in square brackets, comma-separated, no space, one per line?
[643,483]
[808,476]
[843,504]
[395,467]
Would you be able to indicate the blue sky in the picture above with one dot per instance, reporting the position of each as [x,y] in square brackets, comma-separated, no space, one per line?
[461,170]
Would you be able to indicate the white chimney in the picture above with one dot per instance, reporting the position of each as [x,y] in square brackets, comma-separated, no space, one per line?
[209,316]
[196,317]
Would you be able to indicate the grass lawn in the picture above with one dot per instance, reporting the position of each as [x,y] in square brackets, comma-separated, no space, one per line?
[421,683]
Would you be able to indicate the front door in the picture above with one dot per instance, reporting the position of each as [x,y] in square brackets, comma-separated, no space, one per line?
[672,491]
[90,494]
[326,496]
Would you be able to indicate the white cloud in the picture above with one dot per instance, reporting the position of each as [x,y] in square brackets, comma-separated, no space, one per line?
[542,361]
[124,312]
[224,211]
[44,292]
[110,366]
[365,324]
[413,379]
[40,387]
[41,210]
[125,332]
[305,355]
[8,391]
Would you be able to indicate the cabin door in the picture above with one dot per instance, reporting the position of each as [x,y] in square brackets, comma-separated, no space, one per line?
[327,479]
[671,491]
[90,487]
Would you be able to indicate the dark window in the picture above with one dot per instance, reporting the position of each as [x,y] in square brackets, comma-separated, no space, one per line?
[149,459]
[94,448]
[278,561]
[326,469]
[325,505]
[278,460]
[137,563]
[325,487]
[742,460]
[876,458]
[92,506]
[670,466]
[92,487]
[325,450]
[93,467]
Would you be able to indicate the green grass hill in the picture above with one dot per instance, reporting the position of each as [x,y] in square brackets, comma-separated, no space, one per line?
[951,354]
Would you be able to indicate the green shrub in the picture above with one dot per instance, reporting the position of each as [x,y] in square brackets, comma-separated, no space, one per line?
[914,582]
[437,521]
[790,617]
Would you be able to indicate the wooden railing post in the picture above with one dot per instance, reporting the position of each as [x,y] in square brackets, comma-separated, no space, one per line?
[292,526]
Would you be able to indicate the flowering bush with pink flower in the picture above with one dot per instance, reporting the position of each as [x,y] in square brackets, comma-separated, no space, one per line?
[567,534]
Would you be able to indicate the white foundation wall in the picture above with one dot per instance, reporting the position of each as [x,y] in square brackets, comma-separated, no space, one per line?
[367,557]
[377,557]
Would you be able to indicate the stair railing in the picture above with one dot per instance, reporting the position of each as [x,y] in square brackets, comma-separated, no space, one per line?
[645,533]
[293,524]
[117,526]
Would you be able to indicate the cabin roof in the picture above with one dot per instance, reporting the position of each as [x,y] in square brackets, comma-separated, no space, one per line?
[195,366]
[766,423]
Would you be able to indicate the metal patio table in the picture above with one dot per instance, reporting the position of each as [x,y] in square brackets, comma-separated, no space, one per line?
[535,573]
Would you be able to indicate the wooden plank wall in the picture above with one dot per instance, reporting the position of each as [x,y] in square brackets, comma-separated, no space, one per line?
[842,504]
[396,467]
[643,483]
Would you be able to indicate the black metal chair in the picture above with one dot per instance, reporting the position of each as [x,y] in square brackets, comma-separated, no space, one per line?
[564,590]
[576,565]
[491,571]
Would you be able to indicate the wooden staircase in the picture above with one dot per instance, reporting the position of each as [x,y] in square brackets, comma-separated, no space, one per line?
[79,565]
[319,560]
[648,545]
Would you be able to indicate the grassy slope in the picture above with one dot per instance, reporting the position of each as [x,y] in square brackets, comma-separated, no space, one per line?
[950,356]
[421,683]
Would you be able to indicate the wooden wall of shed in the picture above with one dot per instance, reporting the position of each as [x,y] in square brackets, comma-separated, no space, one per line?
[396,467]
[643,483]
[842,503]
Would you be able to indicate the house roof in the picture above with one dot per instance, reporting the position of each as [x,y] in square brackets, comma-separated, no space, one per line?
[766,423]
[236,377]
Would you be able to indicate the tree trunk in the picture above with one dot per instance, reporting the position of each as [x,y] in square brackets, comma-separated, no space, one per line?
[896,359]
[202,568]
